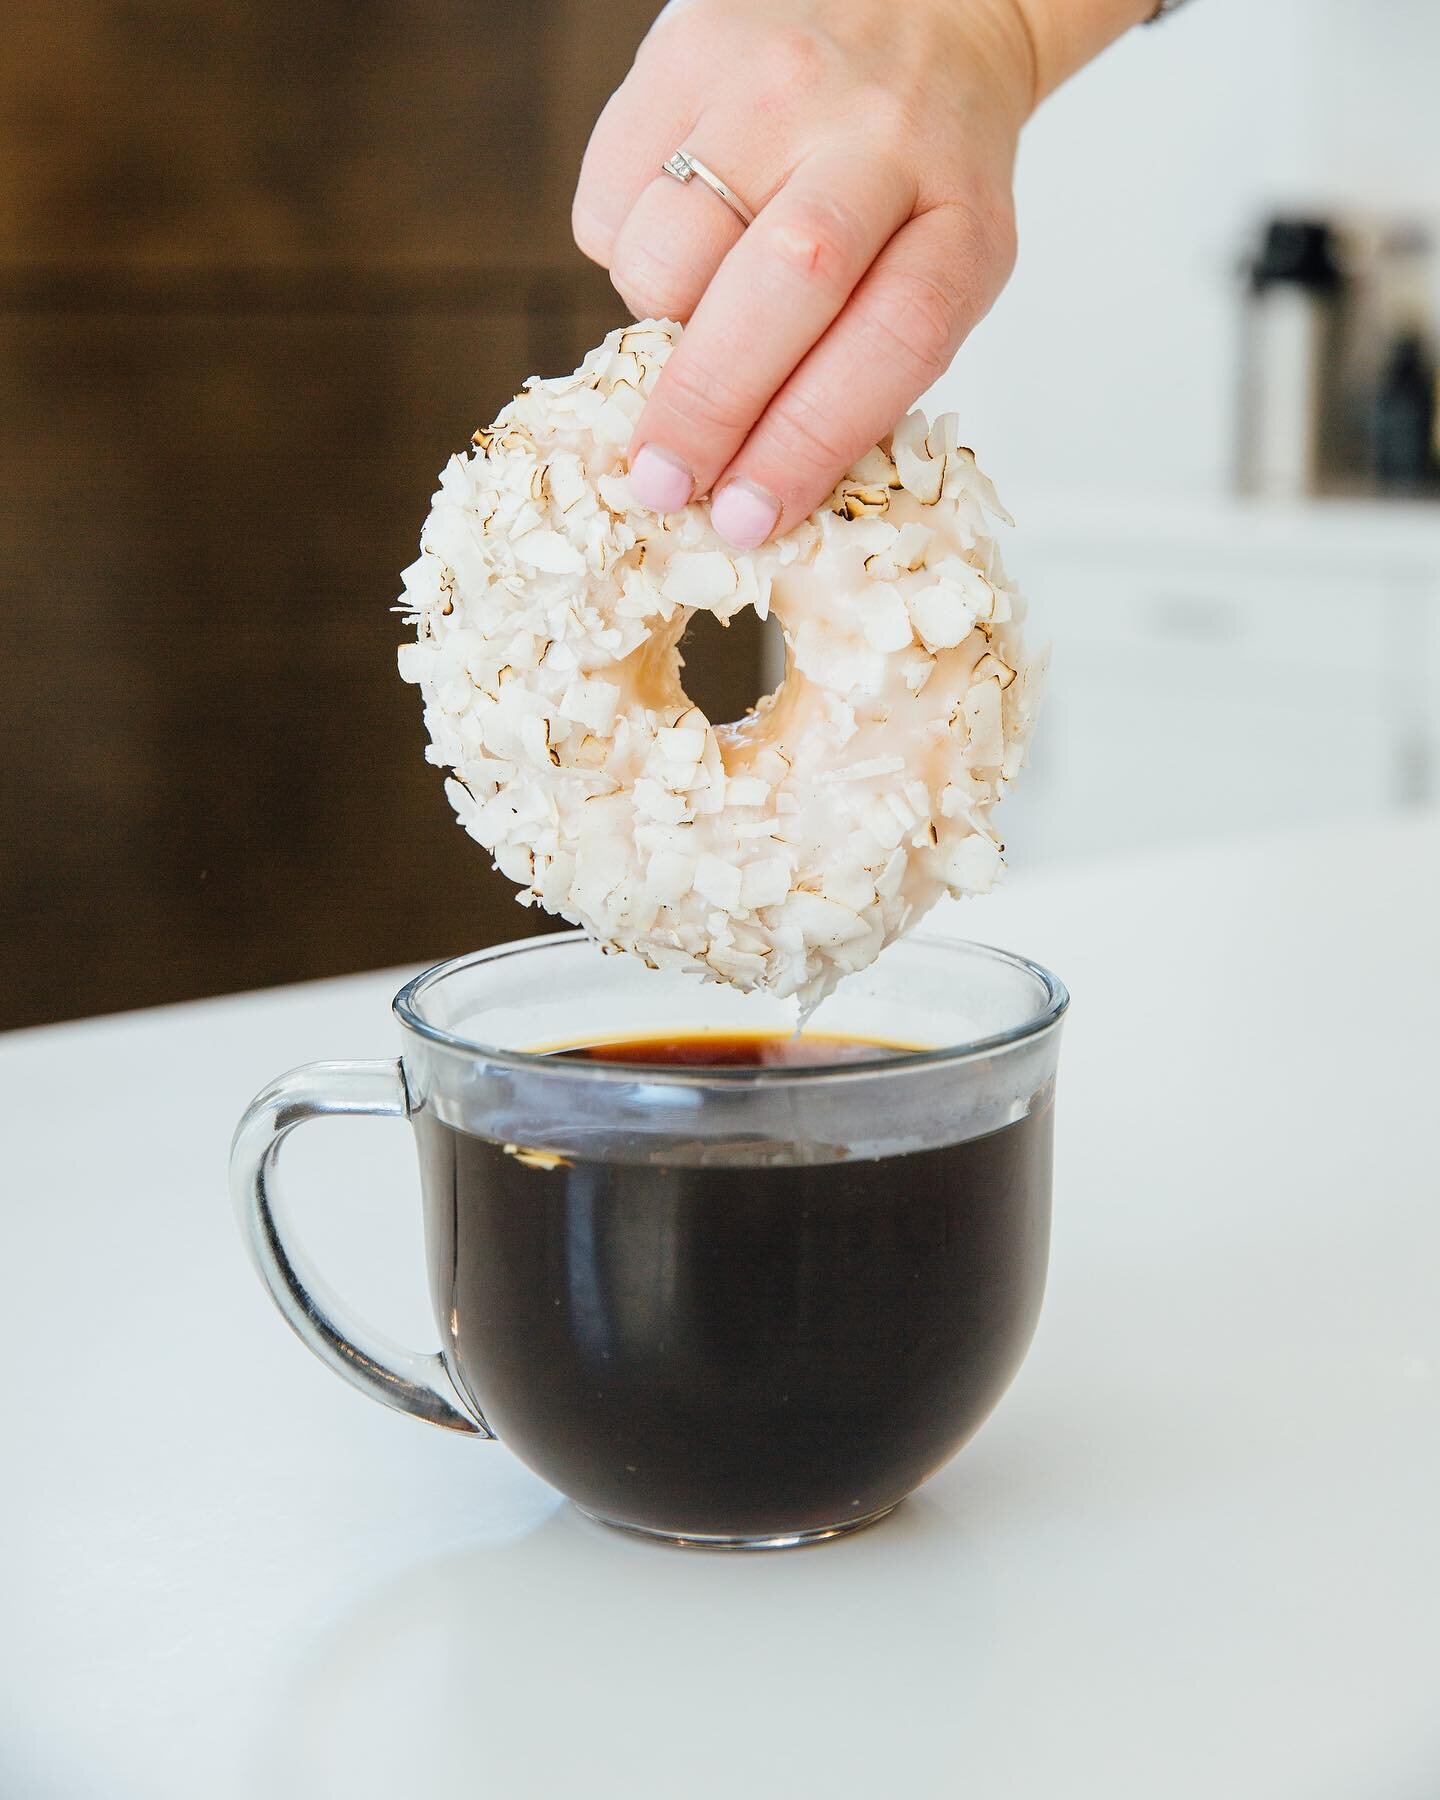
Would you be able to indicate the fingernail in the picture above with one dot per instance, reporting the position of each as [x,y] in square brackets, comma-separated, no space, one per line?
[659,480]
[744,514]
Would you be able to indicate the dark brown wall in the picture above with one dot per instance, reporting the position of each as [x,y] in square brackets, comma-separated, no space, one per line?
[262,267]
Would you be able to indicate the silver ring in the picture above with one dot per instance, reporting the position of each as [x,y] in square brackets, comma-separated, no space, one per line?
[682,165]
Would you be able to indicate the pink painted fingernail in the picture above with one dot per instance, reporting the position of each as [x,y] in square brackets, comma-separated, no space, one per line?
[744,514]
[659,480]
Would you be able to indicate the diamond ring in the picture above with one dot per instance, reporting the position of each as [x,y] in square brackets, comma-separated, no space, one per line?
[682,165]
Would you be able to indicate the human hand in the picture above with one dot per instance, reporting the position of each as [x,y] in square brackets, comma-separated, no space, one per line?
[875,142]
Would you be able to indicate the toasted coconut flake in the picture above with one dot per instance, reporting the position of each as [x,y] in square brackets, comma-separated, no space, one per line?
[545,1160]
[903,556]
[921,472]
[875,469]
[853,501]
[986,746]
[990,667]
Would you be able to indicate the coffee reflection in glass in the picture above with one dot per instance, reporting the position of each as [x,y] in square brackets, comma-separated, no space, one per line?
[714,1282]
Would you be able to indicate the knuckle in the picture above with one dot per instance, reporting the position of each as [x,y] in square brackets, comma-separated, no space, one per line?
[675,45]
[800,435]
[705,399]
[819,238]
[592,239]
[998,238]
[684,45]
[795,60]
[985,236]
[649,285]
[916,323]
[881,114]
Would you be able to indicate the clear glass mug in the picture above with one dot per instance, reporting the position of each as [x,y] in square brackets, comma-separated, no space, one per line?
[748,1307]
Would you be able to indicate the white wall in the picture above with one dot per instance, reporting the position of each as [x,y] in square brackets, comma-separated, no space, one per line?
[1109,362]
[1372,104]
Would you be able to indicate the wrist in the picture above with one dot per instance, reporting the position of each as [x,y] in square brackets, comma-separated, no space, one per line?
[1064,35]
[998,44]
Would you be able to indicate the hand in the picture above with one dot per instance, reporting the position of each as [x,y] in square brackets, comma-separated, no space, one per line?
[875,142]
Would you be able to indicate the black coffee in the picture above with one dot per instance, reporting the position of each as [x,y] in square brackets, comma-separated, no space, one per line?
[739,1050]
[737,1351]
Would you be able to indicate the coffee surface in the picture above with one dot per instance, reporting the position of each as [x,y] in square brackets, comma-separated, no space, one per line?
[725,1350]
[739,1050]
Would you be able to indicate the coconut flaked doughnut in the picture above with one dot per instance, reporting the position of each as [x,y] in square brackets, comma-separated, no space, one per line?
[782,851]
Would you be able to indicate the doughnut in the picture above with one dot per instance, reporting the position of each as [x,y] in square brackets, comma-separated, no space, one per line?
[781,851]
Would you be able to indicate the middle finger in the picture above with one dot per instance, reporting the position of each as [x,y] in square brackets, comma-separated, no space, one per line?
[770,300]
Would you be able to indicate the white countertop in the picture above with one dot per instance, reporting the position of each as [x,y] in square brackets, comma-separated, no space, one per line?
[1340,532]
[1195,1552]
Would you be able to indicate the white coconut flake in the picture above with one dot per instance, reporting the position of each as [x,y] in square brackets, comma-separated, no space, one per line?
[782,854]
[887,623]
[718,881]
[747,790]
[865,771]
[699,578]
[670,876]
[764,882]
[821,921]
[548,551]
[941,616]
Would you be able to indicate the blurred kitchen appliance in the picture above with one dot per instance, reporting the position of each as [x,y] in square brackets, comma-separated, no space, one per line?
[1403,433]
[1291,404]
[1401,413]
[1338,391]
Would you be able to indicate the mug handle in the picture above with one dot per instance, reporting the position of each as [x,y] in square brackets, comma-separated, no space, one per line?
[412,1381]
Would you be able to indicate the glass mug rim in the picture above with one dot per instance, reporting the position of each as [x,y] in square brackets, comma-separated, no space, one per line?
[407,1008]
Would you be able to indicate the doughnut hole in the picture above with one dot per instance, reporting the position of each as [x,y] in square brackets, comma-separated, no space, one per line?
[728,667]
